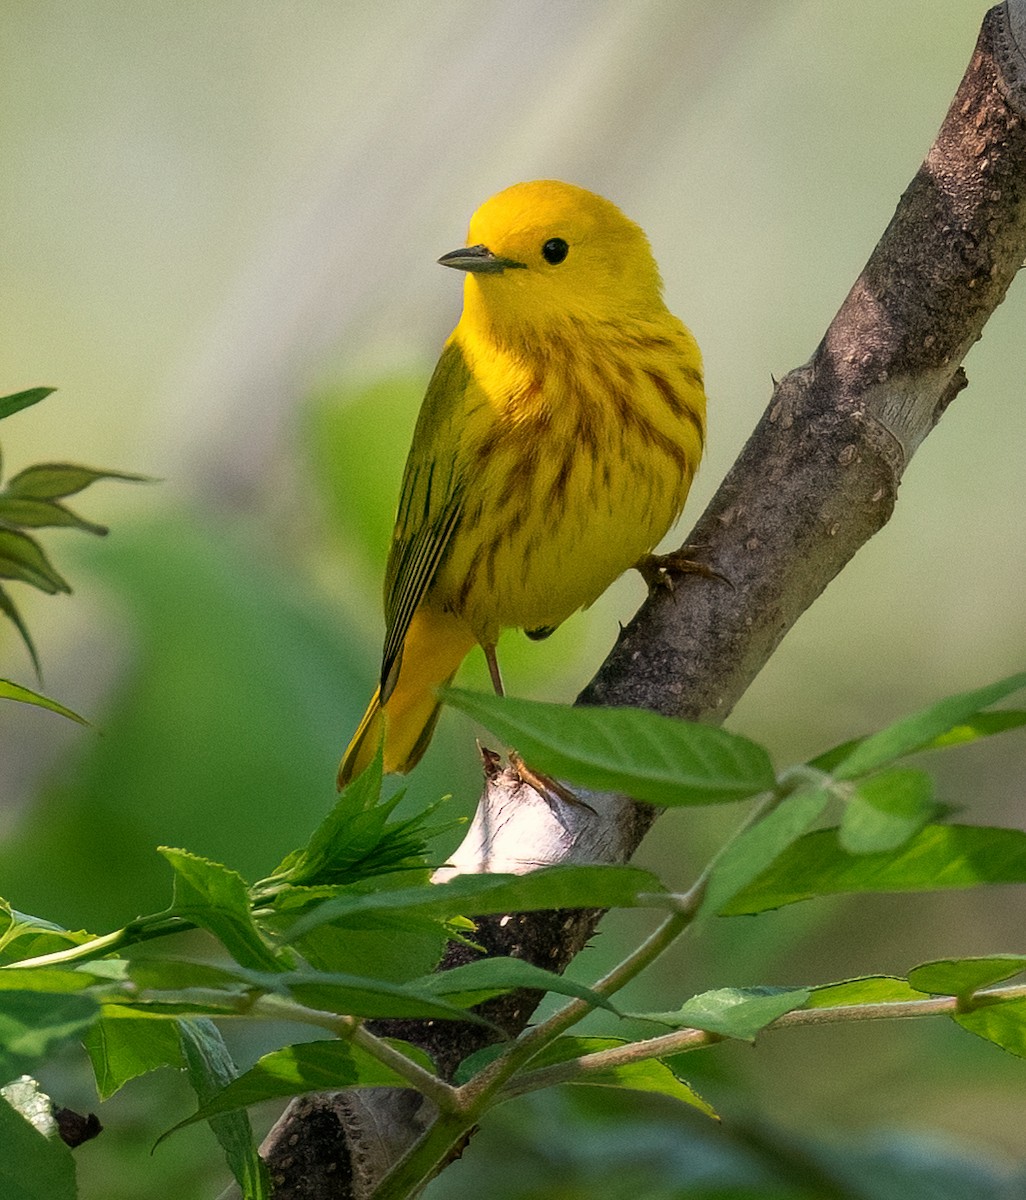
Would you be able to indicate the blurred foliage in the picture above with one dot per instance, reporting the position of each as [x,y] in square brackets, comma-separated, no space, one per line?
[582,1144]
[235,697]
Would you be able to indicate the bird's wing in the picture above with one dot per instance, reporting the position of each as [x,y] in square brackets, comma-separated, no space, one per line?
[430,505]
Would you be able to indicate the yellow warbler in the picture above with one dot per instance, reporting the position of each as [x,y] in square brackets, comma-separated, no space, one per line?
[554,448]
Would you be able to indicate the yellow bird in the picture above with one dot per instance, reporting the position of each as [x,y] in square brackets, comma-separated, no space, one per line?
[555,447]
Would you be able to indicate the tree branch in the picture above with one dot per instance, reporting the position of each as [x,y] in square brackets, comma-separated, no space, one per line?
[818,477]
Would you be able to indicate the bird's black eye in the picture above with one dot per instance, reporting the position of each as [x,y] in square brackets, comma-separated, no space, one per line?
[555,250]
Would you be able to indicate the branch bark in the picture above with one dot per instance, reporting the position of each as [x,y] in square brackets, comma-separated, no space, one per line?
[818,477]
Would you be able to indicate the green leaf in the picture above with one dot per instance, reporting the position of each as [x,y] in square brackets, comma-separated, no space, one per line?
[9,610]
[733,1012]
[311,864]
[43,514]
[24,937]
[14,691]
[1003,1023]
[122,1046]
[205,988]
[478,895]
[979,725]
[9,405]
[171,974]
[211,1069]
[216,899]
[938,857]
[186,1002]
[32,1166]
[306,1067]
[35,1024]
[887,809]
[478,981]
[22,558]
[869,989]
[963,976]
[397,947]
[356,996]
[646,1075]
[54,481]
[64,980]
[627,750]
[752,851]
[918,731]
[355,841]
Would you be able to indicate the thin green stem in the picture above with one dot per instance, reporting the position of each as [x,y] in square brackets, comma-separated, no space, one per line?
[443,1095]
[142,930]
[424,1159]
[681,1040]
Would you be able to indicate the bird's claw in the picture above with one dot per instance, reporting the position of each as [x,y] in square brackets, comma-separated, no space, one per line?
[546,787]
[657,570]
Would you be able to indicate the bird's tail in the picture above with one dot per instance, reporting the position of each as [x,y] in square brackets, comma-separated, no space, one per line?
[435,645]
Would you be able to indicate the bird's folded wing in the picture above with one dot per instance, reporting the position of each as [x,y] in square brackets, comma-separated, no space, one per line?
[430,506]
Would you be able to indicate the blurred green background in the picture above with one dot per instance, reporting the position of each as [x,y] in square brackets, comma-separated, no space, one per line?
[218,227]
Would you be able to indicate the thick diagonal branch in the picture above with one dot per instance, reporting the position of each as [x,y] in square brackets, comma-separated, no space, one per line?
[818,477]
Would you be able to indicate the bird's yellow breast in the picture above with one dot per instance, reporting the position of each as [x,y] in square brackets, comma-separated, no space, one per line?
[577,462]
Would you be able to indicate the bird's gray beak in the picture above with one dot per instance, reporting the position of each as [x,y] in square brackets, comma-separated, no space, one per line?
[479,260]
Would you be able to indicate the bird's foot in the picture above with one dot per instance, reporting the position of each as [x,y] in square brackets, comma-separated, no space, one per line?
[658,570]
[546,787]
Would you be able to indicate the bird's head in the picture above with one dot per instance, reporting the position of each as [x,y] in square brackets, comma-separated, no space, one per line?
[546,255]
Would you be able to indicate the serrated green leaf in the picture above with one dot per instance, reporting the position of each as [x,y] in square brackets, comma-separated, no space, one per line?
[311,864]
[54,481]
[887,809]
[357,840]
[963,976]
[1003,1023]
[35,1024]
[43,514]
[122,1046]
[9,405]
[478,981]
[752,851]
[869,989]
[646,1075]
[32,1166]
[216,899]
[938,857]
[14,691]
[306,1067]
[478,895]
[915,732]
[640,754]
[22,558]
[733,1012]
[211,1070]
